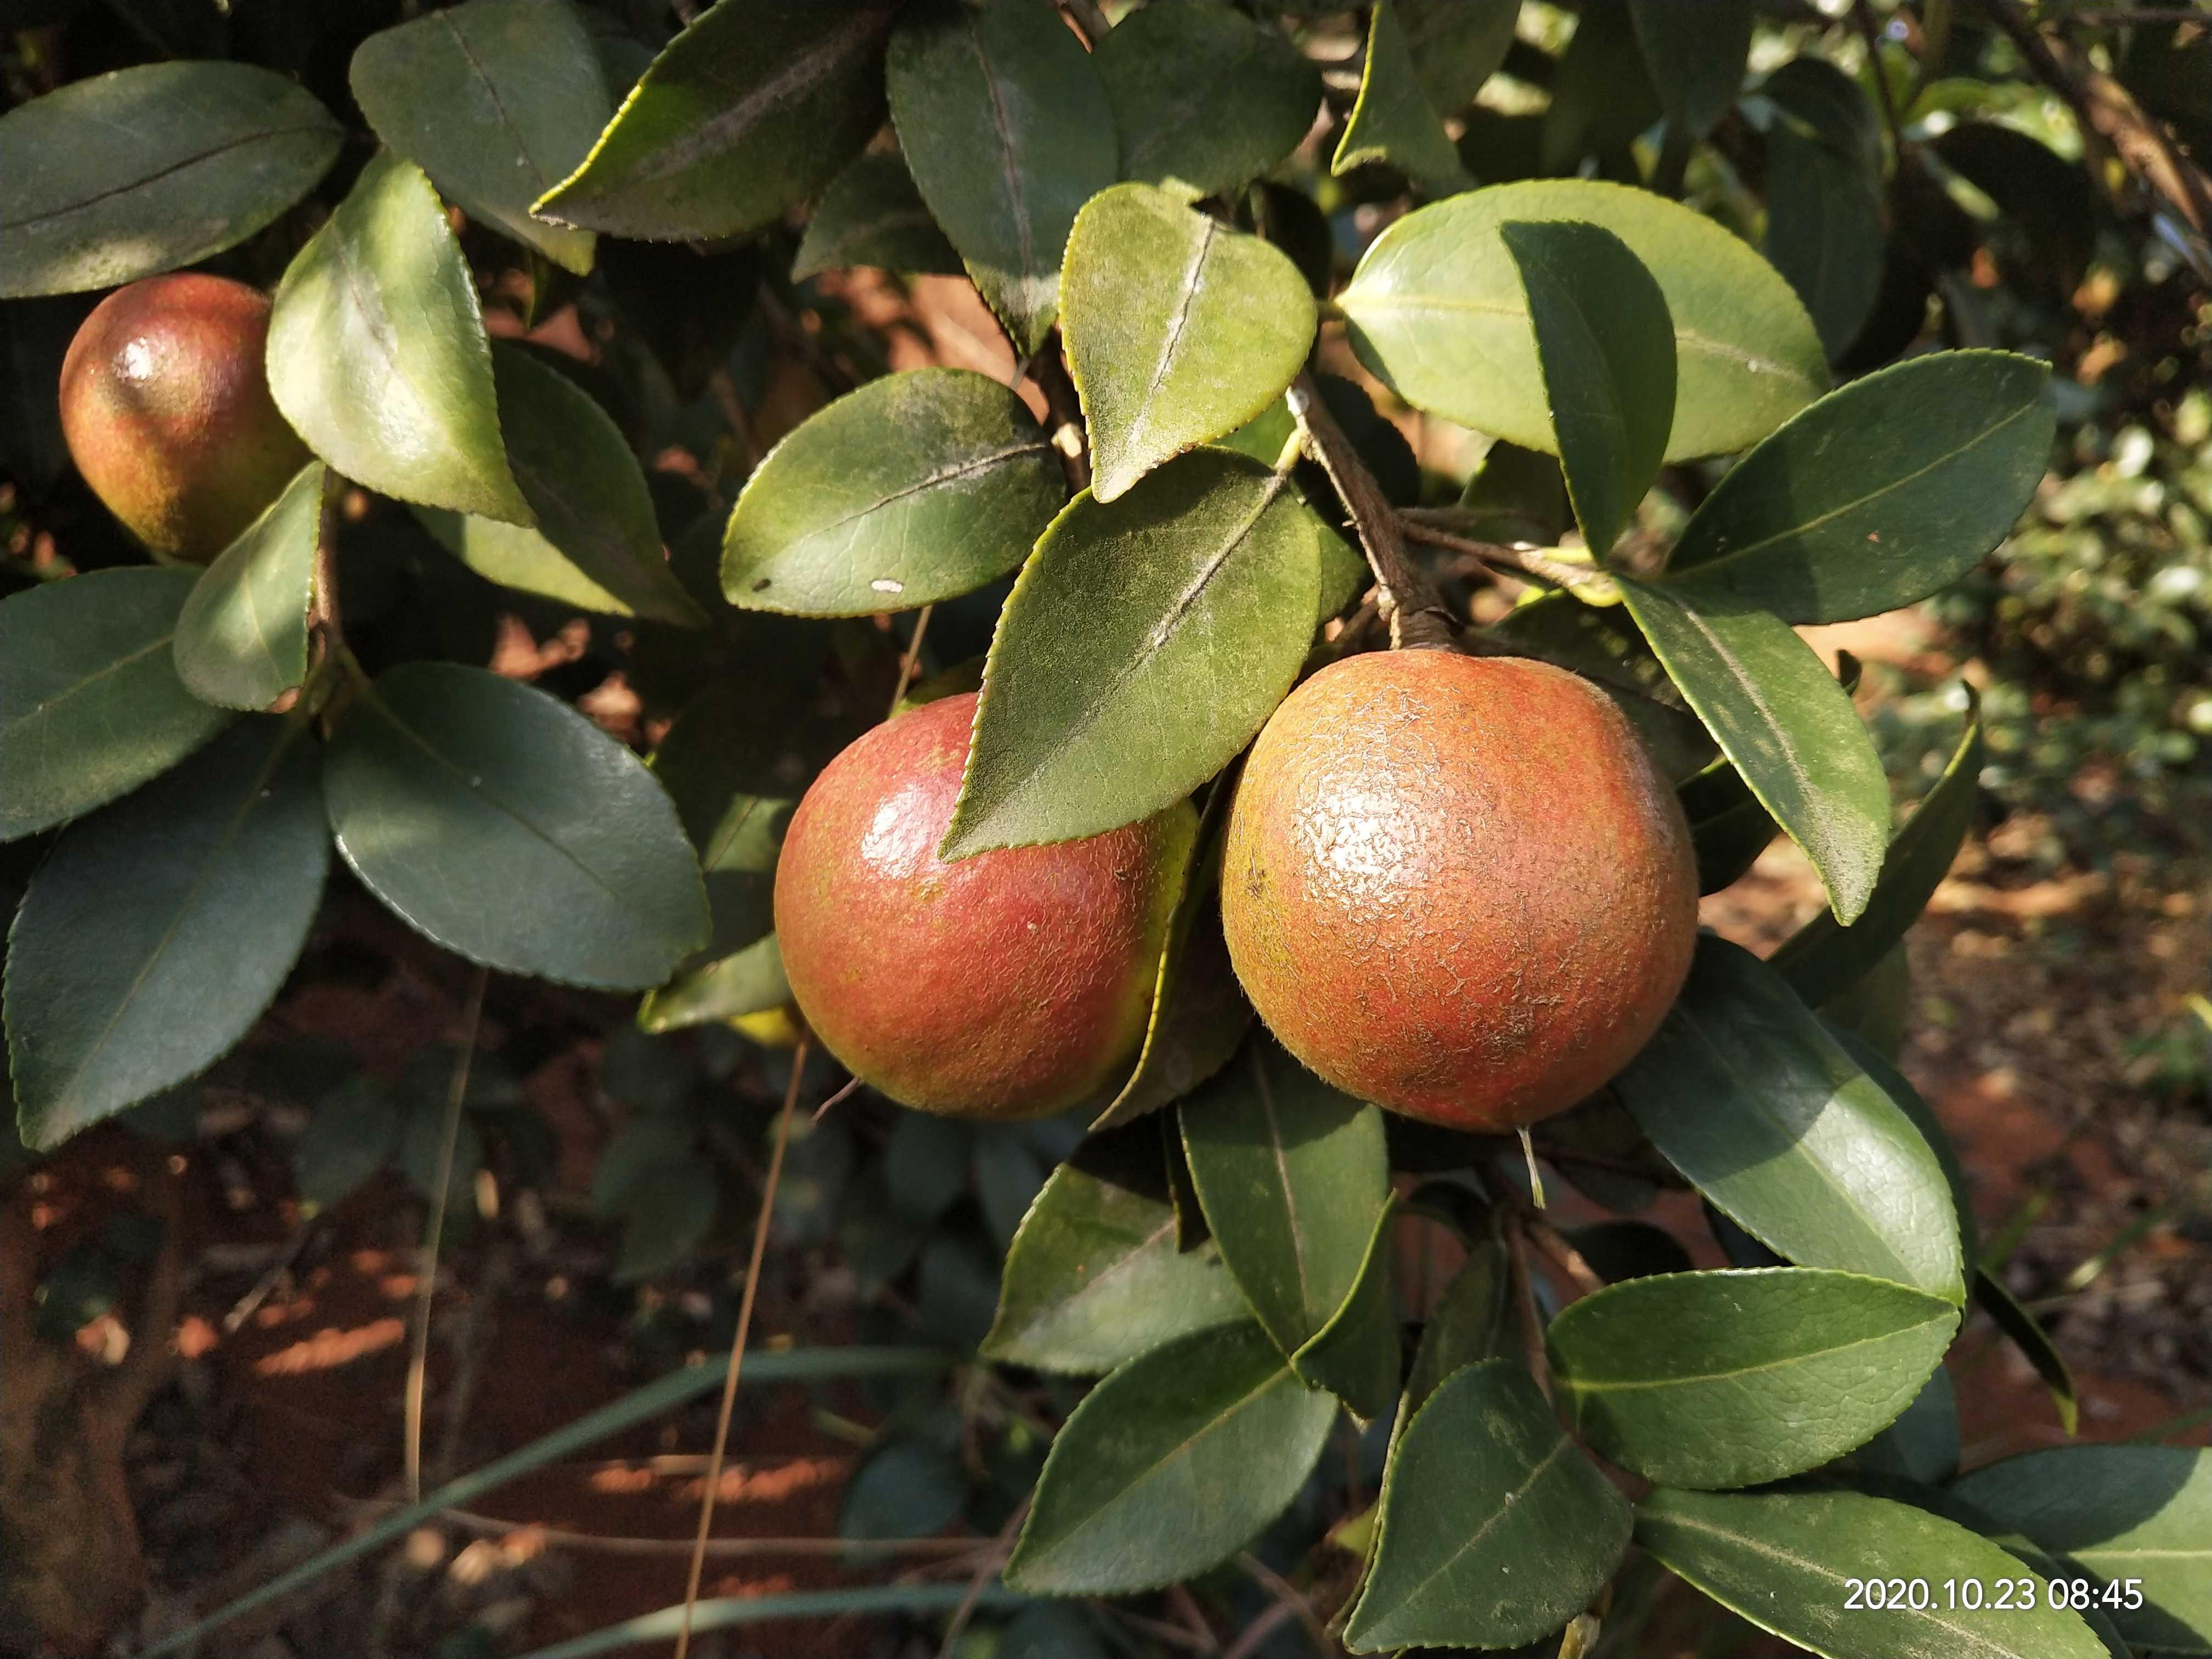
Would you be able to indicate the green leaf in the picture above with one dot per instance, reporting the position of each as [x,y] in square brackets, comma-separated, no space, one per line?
[1455,45]
[1601,94]
[1293,1175]
[1204,98]
[910,1489]
[1392,121]
[146,169]
[915,488]
[352,1135]
[1472,1322]
[378,354]
[1787,725]
[2120,1513]
[241,638]
[90,704]
[1746,1094]
[597,545]
[1095,1277]
[1605,345]
[1178,328]
[1357,1355]
[1199,1014]
[2026,1334]
[1008,131]
[1907,1099]
[1437,310]
[1824,217]
[1923,1445]
[1695,55]
[1516,496]
[1142,647]
[1878,496]
[510,829]
[1784,1560]
[1728,826]
[498,101]
[747,112]
[872,214]
[1735,1378]
[746,981]
[1496,1529]
[1821,960]
[157,932]
[1169,1466]
[666,1214]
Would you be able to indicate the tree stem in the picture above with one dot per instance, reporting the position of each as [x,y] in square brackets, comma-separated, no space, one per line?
[1523,561]
[1049,370]
[1418,616]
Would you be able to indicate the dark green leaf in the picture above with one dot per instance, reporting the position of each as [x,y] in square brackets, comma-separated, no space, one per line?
[90,704]
[1516,496]
[597,543]
[915,488]
[1009,132]
[1824,218]
[2053,199]
[1878,495]
[1601,94]
[746,981]
[511,830]
[1455,45]
[1784,1560]
[1169,1466]
[378,354]
[1293,1175]
[1178,328]
[1923,1445]
[1392,121]
[1008,1178]
[1735,1378]
[146,169]
[2026,1334]
[872,215]
[1748,1095]
[1728,826]
[1628,1250]
[1878,1067]
[352,1135]
[158,931]
[1472,1322]
[1822,960]
[1204,98]
[1787,725]
[666,1213]
[241,638]
[644,1143]
[1605,346]
[498,100]
[1095,1276]
[748,112]
[908,1490]
[1695,55]
[1143,645]
[1436,309]
[1495,1527]
[2122,1514]
[925,1165]
[1357,1355]
[1945,1502]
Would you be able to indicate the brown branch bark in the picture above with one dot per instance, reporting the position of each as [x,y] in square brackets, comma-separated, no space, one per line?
[1417,613]
[1069,439]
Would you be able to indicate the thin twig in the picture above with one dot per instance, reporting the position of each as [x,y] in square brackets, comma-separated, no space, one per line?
[715,1458]
[992,1561]
[1286,1595]
[1259,1630]
[426,1286]
[1510,555]
[1416,611]
[1871,31]
[913,658]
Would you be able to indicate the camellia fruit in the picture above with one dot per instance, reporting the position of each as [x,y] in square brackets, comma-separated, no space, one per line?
[1008,985]
[165,404]
[1456,886]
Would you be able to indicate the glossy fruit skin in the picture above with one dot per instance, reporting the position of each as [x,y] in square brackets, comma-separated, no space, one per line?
[1009,985]
[165,404]
[1456,886]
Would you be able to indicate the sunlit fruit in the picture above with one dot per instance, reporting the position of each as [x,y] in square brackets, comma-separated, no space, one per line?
[165,404]
[1456,886]
[1008,985]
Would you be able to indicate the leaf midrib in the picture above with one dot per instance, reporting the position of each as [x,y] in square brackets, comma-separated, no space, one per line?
[1581,1385]
[86,202]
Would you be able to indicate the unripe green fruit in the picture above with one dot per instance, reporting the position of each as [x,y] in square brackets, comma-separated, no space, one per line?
[1008,985]
[1456,886]
[166,406]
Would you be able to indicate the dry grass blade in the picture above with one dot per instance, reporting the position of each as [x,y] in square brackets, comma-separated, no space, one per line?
[426,1286]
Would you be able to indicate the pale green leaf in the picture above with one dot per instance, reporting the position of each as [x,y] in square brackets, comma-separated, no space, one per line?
[1393,120]
[872,214]
[242,636]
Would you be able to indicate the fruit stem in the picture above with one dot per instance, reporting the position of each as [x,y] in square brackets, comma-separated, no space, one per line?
[1416,611]
[323,631]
